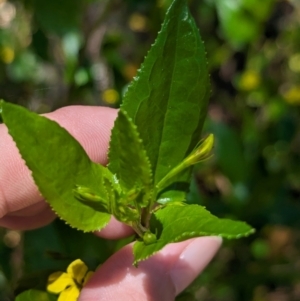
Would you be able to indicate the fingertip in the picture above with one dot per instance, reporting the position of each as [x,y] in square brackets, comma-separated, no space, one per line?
[157,278]
[193,260]
[115,230]
[27,222]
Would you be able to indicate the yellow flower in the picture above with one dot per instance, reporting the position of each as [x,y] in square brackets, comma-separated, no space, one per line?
[7,54]
[110,96]
[69,284]
[249,80]
[292,96]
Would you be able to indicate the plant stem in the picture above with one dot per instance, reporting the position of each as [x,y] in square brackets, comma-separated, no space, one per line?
[139,229]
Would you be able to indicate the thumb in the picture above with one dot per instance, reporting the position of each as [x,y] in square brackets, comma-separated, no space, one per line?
[160,278]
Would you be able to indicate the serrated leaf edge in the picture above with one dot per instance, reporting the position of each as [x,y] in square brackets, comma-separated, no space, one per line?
[32,176]
[140,140]
[187,235]
[84,231]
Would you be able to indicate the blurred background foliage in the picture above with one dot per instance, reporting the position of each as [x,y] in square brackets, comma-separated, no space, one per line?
[58,53]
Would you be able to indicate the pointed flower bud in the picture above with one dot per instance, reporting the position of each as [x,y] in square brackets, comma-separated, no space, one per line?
[201,152]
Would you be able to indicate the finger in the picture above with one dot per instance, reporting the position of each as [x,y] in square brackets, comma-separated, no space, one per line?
[40,216]
[115,230]
[91,126]
[160,278]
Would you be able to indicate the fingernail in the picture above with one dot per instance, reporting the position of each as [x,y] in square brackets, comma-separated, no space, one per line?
[192,261]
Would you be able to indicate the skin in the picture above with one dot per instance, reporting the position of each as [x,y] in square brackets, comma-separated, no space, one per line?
[22,207]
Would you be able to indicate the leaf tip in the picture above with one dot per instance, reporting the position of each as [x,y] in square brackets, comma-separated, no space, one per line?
[252,231]
[246,233]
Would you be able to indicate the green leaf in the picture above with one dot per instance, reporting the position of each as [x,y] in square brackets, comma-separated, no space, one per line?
[175,223]
[58,164]
[127,156]
[168,98]
[120,204]
[35,295]
[88,197]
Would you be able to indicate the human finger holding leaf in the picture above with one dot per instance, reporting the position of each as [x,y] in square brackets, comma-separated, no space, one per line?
[152,149]
[23,197]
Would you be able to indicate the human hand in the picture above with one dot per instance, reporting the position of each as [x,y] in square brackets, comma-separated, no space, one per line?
[161,277]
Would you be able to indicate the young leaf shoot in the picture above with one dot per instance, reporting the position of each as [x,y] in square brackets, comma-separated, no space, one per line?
[155,142]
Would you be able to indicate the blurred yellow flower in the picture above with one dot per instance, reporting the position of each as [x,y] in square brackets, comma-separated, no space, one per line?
[110,96]
[68,285]
[7,54]
[292,95]
[138,22]
[249,80]
[294,62]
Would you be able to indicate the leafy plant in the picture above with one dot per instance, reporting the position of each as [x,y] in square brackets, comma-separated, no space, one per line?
[154,144]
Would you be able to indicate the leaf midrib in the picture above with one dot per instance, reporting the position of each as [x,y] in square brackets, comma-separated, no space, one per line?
[165,115]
